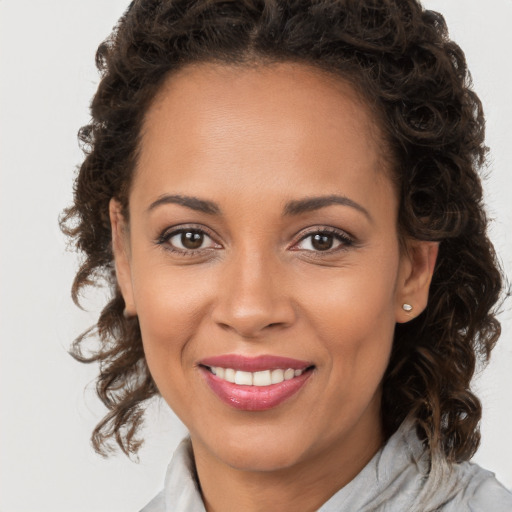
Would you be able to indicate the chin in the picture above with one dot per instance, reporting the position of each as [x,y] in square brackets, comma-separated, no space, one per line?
[261,458]
[257,449]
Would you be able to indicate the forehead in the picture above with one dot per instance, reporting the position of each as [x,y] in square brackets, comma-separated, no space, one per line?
[297,121]
[195,91]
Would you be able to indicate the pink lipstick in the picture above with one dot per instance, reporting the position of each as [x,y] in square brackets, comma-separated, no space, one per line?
[255,383]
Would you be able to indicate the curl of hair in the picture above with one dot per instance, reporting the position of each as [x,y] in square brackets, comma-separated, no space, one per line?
[416,81]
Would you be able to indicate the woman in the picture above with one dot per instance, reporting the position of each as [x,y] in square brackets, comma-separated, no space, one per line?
[284,198]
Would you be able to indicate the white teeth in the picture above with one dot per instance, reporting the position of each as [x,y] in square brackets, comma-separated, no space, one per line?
[243,378]
[262,378]
[277,376]
[289,374]
[229,375]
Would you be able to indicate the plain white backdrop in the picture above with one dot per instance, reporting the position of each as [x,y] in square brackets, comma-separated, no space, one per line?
[47,80]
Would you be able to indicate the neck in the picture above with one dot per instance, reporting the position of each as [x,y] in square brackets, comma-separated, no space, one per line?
[303,487]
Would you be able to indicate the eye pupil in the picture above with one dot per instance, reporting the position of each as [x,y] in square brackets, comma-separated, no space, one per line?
[322,241]
[192,239]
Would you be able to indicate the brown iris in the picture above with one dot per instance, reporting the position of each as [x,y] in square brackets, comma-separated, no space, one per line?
[192,239]
[322,241]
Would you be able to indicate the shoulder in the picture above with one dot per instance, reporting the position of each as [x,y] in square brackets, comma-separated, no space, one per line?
[477,490]
[181,489]
[157,504]
[445,487]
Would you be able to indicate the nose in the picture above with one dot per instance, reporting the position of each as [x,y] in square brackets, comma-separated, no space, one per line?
[253,297]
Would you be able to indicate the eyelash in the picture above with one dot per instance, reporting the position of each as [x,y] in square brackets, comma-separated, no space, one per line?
[166,236]
[345,240]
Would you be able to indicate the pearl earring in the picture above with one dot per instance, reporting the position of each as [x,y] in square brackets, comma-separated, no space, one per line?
[407,307]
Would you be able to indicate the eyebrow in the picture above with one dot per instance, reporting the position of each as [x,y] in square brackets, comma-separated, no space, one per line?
[310,204]
[295,207]
[194,203]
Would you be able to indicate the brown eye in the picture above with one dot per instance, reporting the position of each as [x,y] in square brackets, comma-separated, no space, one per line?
[322,241]
[189,240]
[192,239]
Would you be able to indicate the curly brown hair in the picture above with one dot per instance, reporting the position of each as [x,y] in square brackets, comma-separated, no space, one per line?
[400,58]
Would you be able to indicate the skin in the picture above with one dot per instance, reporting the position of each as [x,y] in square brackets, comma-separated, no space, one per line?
[251,140]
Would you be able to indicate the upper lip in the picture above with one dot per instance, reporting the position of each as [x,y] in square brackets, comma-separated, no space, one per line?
[254,364]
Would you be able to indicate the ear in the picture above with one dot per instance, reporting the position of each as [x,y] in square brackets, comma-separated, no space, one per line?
[121,250]
[416,269]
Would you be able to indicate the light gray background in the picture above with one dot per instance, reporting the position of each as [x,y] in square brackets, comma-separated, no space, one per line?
[47,79]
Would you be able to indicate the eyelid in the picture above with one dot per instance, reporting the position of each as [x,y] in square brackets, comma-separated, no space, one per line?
[346,240]
[169,232]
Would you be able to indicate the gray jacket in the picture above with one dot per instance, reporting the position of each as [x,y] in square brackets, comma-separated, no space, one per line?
[395,480]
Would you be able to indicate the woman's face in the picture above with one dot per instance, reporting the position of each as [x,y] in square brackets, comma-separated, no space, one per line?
[262,245]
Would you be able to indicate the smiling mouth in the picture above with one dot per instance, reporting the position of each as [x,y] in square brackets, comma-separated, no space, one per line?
[259,379]
[258,390]
[256,383]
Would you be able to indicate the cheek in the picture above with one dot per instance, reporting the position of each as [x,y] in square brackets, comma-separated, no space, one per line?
[170,304]
[354,323]
[169,308]
[353,314]
[356,297]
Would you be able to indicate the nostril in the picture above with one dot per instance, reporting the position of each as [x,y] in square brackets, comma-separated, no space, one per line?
[251,314]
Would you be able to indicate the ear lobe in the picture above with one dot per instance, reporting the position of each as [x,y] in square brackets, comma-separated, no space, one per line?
[417,268]
[120,248]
